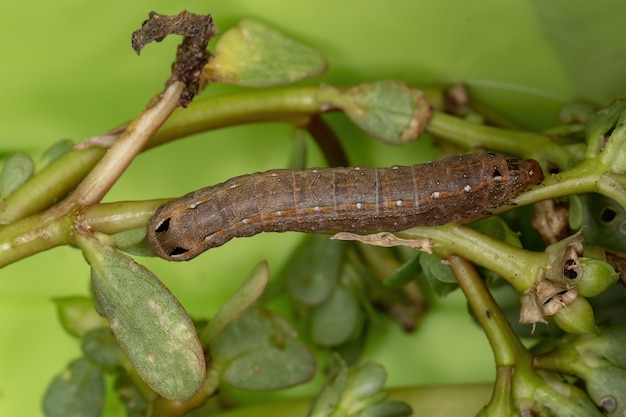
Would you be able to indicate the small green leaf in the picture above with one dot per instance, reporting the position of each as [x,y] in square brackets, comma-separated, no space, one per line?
[259,351]
[369,379]
[249,292]
[405,274]
[77,391]
[132,241]
[149,323]
[15,172]
[78,315]
[101,348]
[389,111]
[605,386]
[128,394]
[387,409]
[254,54]
[601,123]
[308,279]
[326,329]
[438,274]
[330,396]
[54,152]
[356,392]
[496,227]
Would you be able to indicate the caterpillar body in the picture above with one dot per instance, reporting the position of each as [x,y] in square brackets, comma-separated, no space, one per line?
[355,199]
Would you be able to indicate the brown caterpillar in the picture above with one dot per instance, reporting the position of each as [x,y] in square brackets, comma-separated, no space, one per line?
[356,199]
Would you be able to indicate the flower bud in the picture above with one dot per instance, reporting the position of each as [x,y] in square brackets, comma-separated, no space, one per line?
[597,277]
[576,318]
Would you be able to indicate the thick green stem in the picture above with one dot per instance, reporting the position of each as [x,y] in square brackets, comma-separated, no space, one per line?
[111,218]
[521,268]
[34,234]
[470,135]
[50,185]
[506,346]
[292,105]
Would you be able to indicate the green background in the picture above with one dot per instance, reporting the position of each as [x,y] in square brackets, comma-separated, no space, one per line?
[68,71]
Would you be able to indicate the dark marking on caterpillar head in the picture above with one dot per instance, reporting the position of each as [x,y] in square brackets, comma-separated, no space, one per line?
[356,199]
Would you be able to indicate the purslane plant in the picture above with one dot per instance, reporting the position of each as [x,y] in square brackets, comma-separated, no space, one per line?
[167,364]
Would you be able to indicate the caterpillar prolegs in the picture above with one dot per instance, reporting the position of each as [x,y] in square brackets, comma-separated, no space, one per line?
[355,199]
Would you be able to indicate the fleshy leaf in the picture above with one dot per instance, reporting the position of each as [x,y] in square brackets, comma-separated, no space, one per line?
[356,391]
[259,351]
[128,394]
[15,172]
[326,329]
[149,323]
[439,274]
[78,315]
[77,391]
[100,347]
[254,54]
[249,292]
[333,390]
[405,274]
[307,279]
[389,111]
[54,152]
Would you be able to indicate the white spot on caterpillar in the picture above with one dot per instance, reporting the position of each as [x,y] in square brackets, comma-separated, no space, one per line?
[279,213]
[316,208]
[498,178]
[398,203]
[467,188]
[436,194]
[359,205]
[273,174]
[193,205]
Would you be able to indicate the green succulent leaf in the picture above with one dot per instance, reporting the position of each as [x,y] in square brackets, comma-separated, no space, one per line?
[389,111]
[101,348]
[605,386]
[326,329]
[260,351]
[15,172]
[387,409]
[356,392]
[602,123]
[438,274]
[78,315]
[254,54]
[54,152]
[330,396]
[149,323]
[130,397]
[77,391]
[307,279]
[406,273]
[249,292]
